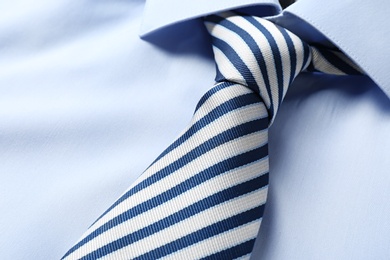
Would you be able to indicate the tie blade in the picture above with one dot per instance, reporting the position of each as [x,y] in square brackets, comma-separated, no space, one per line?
[204,196]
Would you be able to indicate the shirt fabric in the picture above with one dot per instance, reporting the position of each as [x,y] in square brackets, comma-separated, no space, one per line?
[86,105]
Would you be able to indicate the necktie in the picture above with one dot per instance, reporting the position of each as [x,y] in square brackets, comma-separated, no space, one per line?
[204,196]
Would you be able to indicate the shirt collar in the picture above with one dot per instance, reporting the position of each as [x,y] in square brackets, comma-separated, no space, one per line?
[360,29]
[161,14]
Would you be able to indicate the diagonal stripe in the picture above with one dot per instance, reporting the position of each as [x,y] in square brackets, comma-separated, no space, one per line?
[292,57]
[220,197]
[351,64]
[178,234]
[203,190]
[236,61]
[334,59]
[277,59]
[320,63]
[251,40]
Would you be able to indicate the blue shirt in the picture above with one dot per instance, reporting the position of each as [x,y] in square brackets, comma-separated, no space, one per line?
[82,98]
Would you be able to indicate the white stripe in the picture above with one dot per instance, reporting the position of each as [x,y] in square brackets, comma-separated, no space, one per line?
[285,57]
[217,99]
[218,243]
[225,66]
[269,61]
[197,222]
[347,60]
[212,102]
[321,64]
[284,53]
[300,53]
[265,48]
[242,49]
[226,14]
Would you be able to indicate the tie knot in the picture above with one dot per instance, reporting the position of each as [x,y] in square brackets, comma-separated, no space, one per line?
[258,54]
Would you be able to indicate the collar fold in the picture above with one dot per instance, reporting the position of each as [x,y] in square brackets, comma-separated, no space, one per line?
[161,14]
[359,28]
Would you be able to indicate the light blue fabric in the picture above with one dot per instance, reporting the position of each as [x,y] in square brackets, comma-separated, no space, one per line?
[82,98]
[160,14]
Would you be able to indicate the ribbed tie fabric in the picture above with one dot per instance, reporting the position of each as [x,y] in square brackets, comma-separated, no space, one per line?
[204,196]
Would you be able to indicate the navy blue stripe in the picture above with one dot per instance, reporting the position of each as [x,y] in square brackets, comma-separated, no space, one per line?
[239,66]
[215,89]
[231,134]
[228,106]
[306,55]
[214,229]
[233,252]
[311,68]
[224,108]
[251,44]
[292,53]
[237,62]
[339,63]
[276,54]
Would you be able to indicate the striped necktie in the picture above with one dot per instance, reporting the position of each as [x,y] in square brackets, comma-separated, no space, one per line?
[204,196]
